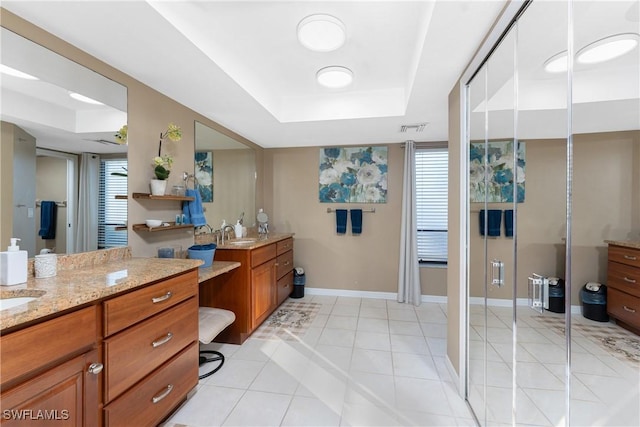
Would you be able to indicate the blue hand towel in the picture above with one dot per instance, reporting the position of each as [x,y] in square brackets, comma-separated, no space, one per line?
[356,221]
[494,219]
[508,222]
[341,221]
[48,220]
[194,213]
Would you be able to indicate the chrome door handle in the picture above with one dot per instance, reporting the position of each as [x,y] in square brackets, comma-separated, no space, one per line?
[630,310]
[157,398]
[162,340]
[630,257]
[497,272]
[95,368]
[162,298]
[626,279]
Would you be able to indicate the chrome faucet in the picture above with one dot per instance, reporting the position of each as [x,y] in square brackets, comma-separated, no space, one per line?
[224,229]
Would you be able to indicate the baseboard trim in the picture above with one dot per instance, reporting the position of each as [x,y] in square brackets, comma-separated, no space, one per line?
[370,294]
[521,302]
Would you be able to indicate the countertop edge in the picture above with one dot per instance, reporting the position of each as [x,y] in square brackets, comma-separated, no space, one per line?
[624,243]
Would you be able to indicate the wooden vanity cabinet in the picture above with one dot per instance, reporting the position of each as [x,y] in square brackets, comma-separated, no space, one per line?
[252,291]
[623,286]
[51,372]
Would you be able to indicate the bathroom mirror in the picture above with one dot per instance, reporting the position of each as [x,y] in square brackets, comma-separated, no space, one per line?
[55,109]
[232,177]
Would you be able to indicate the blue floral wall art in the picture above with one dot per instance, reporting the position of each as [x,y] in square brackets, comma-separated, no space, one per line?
[499,172]
[204,175]
[353,175]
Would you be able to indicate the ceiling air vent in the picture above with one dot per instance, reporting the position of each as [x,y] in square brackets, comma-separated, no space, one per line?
[418,127]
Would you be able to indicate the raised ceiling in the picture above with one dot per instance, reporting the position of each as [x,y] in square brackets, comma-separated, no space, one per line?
[240,63]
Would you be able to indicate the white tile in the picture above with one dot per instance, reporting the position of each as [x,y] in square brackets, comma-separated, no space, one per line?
[399,327]
[257,408]
[437,346]
[324,299]
[431,314]
[209,406]
[458,405]
[305,411]
[372,341]
[339,337]
[349,301]
[404,315]
[346,310]
[365,388]
[373,325]
[236,373]
[369,415]
[443,369]
[320,321]
[536,375]
[421,395]
[342,322]
[373,303]
[374,312]
[414,366]
[275,379]
[256,349]
[409,344]
[417,418]
[324,383]
[332,356]
[374,361]
[395,305]
[434,330]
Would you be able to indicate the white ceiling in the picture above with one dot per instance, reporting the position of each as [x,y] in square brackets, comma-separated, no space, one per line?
[239,62]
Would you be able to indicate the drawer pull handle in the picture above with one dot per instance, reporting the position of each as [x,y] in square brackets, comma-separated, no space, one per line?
[630,310]
[162,340]
[286,263]
[95,368]
[157,398]
[631,257]
[626,279]
[162,298]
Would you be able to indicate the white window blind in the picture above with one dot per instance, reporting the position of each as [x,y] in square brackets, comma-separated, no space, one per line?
[112,212]
[432,166]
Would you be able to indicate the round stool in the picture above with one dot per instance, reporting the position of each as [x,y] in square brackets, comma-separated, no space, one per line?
[212,321]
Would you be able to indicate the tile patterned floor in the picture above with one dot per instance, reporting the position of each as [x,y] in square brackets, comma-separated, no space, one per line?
[362,362]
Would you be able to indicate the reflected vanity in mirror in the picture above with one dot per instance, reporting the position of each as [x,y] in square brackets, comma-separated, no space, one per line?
[226,171]
[59,121]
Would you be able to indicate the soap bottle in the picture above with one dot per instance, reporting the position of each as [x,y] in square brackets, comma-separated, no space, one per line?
[237,229]
[13,265]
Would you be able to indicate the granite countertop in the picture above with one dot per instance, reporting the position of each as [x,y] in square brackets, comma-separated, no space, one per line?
[216,269]
[85,284]
[625,243]
[245,243]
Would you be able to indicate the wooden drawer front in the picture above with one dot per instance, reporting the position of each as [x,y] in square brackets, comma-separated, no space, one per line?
[285,264]
[624,278]
[284,246]
[134,353]
[126,310]
[262,255]
[285,287]
[624,255]
[144,404]
[34,347]
[624,307]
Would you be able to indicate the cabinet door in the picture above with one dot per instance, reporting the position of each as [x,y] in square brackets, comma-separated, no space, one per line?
[65,395]
[263,292]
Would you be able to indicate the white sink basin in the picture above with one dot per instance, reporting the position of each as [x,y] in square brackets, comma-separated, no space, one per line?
[6,303]
[242,241]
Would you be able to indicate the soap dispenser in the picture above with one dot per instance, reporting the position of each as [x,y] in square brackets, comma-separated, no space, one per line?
[13,265]
[237,229]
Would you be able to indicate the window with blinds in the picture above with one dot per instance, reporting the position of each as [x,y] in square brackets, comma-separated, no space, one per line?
[432,166]
[112,213]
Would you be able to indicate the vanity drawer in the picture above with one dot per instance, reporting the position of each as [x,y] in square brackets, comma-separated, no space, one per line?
[285,287]
[156,396]
[262,255]
[132,354]
[126,310]
[624,278]
[284,246]
[624,307]
[624,255]
[35,347]
[284,264]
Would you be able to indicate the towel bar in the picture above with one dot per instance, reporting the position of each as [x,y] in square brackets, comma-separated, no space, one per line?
[372,210]
[186,177]
[59,204]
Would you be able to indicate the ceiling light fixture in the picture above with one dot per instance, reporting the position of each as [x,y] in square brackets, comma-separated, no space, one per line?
[417,127]
[335,77]
[83,98]
[557,63]
[321,33]
[4,69]
[607,48]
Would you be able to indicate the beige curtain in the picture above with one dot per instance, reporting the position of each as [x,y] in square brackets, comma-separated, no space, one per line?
[88,189]
[408,271]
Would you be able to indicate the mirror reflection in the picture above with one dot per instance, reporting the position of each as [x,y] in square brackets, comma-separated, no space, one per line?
[59,121]
[225,170]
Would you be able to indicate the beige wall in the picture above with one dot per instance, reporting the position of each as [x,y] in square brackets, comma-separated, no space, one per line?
[149,112]
[368,262]
[6,183]
[51,174]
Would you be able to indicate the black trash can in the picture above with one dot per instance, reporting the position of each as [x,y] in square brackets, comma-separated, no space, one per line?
[298,283]
[556,295]
[594,301]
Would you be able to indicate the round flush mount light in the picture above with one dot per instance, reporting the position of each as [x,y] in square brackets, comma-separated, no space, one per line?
[557,63]
[321,33]
[83,98]
[4,69]
[607,48]
[334,77]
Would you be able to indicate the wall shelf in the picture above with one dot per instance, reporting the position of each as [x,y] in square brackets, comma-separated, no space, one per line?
[150,197]
[171,226]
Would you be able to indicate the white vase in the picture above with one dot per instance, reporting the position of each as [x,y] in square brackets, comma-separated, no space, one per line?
[158,187]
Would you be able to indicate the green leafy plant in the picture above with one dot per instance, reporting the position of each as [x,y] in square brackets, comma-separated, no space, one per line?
[121,135]
[162,166]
